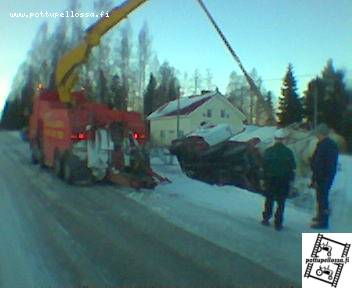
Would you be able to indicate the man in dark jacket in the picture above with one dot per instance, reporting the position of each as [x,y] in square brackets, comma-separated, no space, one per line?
[323,164]
[279,170]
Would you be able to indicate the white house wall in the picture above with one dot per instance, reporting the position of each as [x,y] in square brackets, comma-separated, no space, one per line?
[232,115]
[167,126]
[192,121]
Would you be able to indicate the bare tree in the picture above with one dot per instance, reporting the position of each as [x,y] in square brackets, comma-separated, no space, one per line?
[185,84]
[238,92]
[58,46]
[209,79]
[76,24]
[76,32]
[38,56]
[154,64]
[124,63]
[197,81]
[99,60]
[144,53]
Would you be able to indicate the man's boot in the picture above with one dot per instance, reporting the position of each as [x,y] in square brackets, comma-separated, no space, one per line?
[265,222]
[278,227]
[322,221]
[318,225]
[315,219]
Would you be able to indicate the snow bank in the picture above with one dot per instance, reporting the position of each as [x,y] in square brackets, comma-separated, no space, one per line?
[230,216]
[265,134]
[215,134]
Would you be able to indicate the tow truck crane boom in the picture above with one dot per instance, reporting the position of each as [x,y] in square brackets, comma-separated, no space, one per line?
[65,76]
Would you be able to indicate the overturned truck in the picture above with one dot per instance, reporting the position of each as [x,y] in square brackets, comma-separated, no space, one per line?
[216,155]
[210,155]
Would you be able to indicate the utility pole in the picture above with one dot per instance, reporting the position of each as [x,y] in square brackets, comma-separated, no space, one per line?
[251,104]
[196,79]
[316,103]
[178,115]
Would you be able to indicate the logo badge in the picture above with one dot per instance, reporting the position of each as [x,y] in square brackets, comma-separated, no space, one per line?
[325,260]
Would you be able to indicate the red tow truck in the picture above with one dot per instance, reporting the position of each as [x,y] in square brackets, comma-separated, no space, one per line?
[85,141]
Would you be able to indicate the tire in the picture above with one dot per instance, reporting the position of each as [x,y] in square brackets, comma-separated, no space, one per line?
[75,171]
[41,158]
[37,154]
[34,155]
[57,167]
[319,272]
[68,170]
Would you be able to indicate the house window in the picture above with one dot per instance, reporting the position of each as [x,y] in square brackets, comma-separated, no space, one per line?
[222,113]
[209,113]
[171,132]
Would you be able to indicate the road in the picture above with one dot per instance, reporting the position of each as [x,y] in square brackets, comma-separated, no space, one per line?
[56,235]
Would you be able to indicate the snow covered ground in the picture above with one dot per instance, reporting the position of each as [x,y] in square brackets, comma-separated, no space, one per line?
[230,217]
[57,235]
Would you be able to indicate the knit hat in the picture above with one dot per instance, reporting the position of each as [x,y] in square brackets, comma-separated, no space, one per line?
[322,129]
[280,133]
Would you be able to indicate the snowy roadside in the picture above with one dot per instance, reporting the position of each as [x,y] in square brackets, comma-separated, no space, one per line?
[229,216]
[19,253]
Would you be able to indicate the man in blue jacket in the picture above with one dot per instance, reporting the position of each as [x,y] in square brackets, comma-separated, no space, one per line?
[323,164]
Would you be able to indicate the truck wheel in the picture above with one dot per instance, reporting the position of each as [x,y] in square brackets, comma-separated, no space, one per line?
[58,165]
[68,170]
[41,158]
[34,155]
[75,171]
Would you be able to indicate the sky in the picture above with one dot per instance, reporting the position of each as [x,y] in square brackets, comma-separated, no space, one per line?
[266,34]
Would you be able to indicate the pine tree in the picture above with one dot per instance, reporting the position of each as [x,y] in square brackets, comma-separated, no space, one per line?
[27,93]
[335,96]
[332,98]
[290,106]
[13,117]
[269,102]
[314,92]
[103,87]
[174,89]
[168,88]
[149,96]
[346,127]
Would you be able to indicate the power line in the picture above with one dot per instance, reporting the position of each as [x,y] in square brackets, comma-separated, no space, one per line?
[296,76]
[300,76]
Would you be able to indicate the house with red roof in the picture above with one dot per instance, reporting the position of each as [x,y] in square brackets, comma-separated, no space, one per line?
[192,111]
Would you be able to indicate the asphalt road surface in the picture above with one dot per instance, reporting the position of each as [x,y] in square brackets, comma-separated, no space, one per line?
[56,235]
